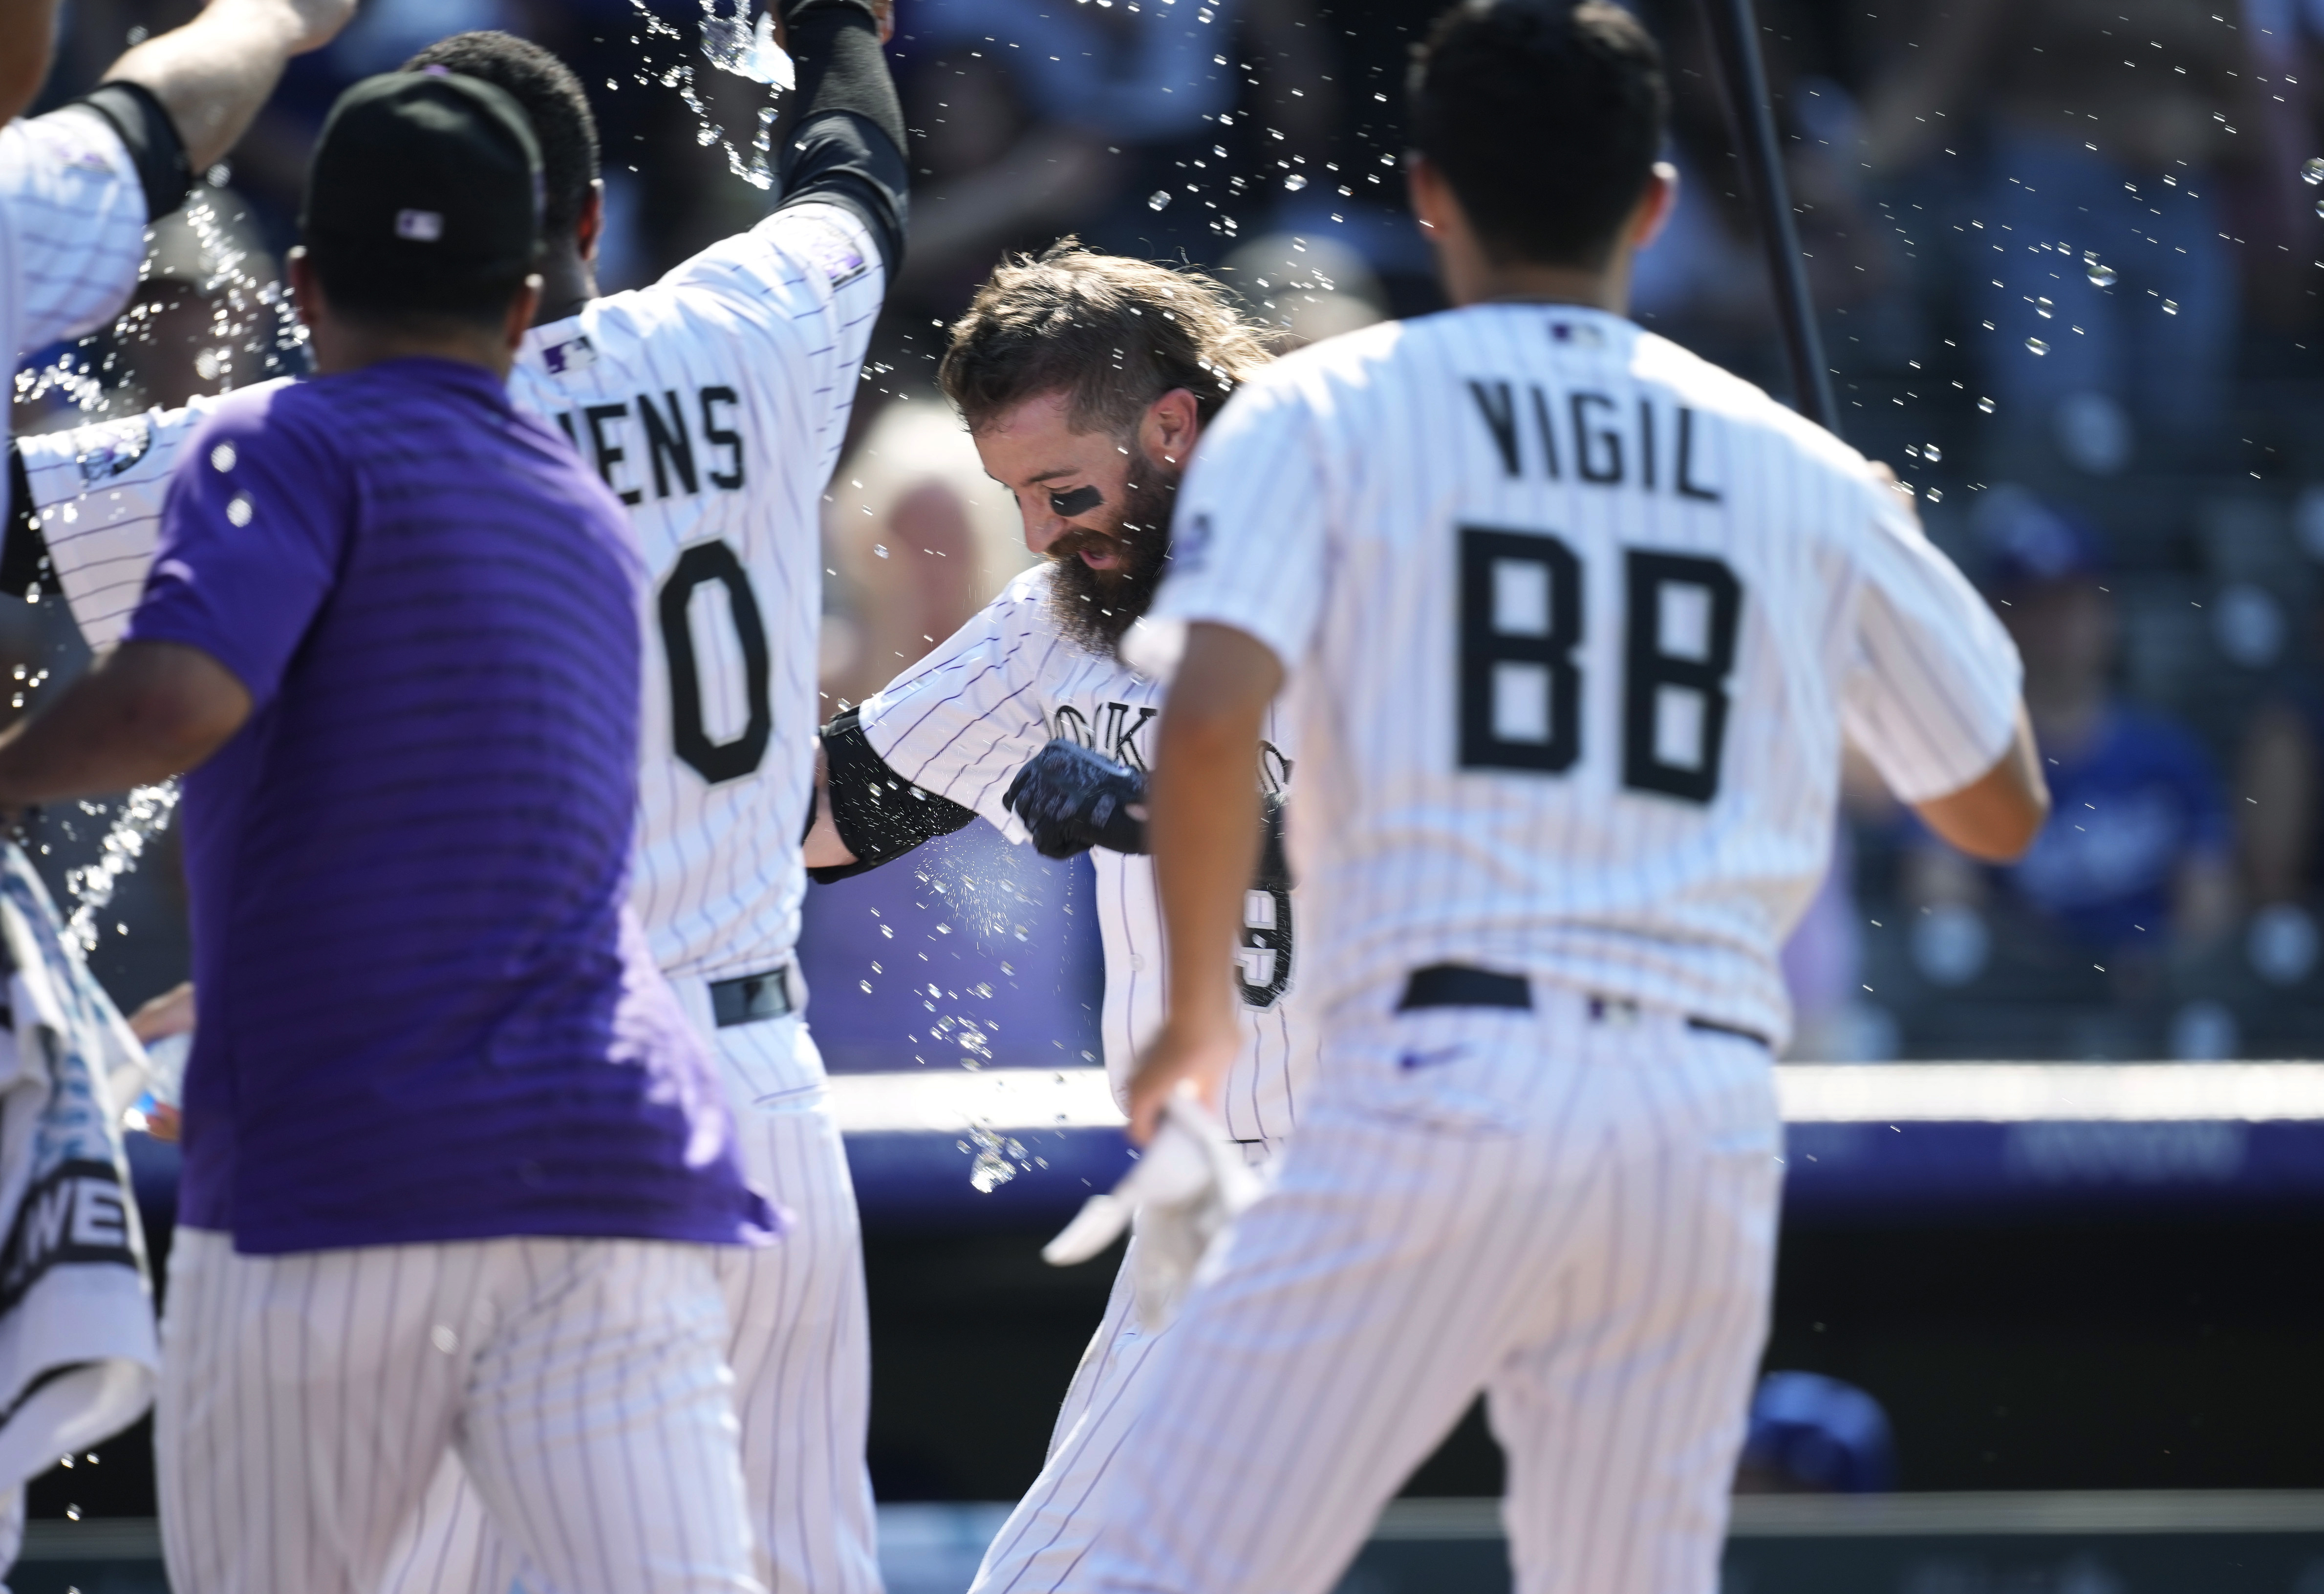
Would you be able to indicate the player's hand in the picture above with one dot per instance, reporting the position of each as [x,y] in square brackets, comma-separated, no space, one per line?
[883,12]
[170,1013]
[1071,799]
[1188,1053]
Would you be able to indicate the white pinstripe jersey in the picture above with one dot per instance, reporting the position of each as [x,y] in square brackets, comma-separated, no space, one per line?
[964,720]
[72,230]
[713,402]
[1576,622]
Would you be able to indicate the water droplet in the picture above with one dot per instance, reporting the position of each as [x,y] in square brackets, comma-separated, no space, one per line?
[1936,495]
[72,1513]
[881,548]
[2042,308]
[2035,345]
[1933,454]
[1985,406]
[222,458]
[2311,170]
[237,508]
[2101,276]
[1157,198]
[2170,306]
[1293,183]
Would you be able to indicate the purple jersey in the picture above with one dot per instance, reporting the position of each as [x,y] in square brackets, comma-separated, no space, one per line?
[426,1013]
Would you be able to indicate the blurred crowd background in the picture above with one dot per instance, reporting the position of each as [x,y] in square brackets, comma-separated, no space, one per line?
[2070,264]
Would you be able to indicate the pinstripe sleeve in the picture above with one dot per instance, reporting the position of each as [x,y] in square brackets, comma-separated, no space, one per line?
[1250,543]
[810,272]
[1932,693]
[964,721]
[76,208]
[96,500]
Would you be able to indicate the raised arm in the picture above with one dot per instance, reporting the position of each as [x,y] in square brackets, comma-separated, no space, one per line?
[212,75]
[846,142]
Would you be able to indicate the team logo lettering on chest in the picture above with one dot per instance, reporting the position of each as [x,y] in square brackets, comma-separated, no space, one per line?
[1114,729]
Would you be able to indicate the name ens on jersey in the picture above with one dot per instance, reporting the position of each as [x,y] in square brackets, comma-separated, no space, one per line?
[630,439]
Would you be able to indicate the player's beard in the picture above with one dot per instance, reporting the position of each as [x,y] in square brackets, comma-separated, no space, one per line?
[1095,608]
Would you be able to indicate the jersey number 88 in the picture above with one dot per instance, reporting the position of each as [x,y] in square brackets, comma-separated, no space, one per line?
[1522,618]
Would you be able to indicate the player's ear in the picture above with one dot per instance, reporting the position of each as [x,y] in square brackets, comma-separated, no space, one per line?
[306,288]
[1654,206]
[522,310]
[589,226]
[1171,425]
[1425,185]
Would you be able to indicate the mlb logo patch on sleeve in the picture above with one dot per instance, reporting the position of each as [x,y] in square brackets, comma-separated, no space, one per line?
[836,255]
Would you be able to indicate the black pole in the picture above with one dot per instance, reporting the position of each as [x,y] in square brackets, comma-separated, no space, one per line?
[1735,36]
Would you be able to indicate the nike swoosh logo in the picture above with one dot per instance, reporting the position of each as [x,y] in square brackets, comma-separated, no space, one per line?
[1409,1060]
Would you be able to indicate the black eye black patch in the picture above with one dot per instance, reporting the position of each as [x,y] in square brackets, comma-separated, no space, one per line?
[1079,501]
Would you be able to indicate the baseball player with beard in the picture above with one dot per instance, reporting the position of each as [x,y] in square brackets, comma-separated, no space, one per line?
[1575,624]
[713,403]
[1086,380]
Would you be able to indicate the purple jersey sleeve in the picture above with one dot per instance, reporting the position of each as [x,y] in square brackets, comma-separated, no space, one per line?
[251,531]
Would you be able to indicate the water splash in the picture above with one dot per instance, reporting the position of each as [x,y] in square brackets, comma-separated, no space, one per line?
[144,815]
[735,43]
[997,1158]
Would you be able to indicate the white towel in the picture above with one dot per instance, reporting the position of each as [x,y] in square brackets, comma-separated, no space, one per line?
[79,1354]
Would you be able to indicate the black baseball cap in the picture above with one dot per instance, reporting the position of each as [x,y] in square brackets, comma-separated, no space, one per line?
[424,193]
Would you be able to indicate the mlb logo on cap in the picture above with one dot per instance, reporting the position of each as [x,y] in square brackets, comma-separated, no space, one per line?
[421,227]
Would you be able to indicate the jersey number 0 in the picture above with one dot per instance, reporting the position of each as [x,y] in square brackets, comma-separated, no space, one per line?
[689,733]
[1522,618]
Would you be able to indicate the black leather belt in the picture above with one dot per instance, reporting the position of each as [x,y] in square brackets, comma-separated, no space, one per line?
[1457,985]
[752,999]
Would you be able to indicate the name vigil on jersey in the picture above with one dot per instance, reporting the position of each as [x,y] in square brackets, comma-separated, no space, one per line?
[1595,440]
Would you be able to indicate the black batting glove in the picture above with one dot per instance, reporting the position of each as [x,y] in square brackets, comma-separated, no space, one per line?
[1070,799]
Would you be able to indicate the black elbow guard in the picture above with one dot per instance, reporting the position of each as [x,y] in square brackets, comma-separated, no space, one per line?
[25,555]
[878,814]
[153,141]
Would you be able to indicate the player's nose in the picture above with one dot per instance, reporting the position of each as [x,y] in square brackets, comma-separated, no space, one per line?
[1043,527]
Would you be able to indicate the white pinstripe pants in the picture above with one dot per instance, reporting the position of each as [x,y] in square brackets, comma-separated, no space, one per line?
[308,1400]
[798,1340]
[1578,1218]
[1050,1529]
